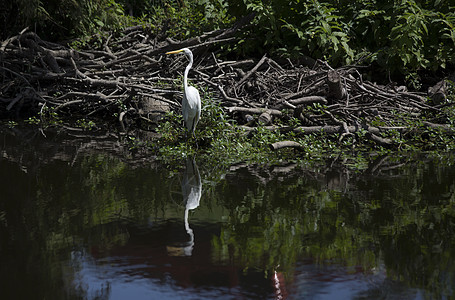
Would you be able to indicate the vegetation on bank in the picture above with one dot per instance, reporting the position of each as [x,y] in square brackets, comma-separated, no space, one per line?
[410,38]
[407,37]
[221,142]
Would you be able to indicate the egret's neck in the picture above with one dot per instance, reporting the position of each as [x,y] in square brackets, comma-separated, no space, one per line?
[187,223]
[187,226]
[185,76]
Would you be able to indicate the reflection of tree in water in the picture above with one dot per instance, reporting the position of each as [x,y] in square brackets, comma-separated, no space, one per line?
[191,187]
[394,214]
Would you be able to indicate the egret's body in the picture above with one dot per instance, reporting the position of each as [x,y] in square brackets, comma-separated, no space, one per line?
[191,108]
[191,103]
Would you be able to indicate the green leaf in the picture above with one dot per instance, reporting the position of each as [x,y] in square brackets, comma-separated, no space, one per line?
[326,27]
[340,34]
[425,27]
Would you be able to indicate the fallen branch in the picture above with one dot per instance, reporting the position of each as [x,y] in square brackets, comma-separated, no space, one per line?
[286,144]
[274,112]
[308,100]
[380,140]
[251,72]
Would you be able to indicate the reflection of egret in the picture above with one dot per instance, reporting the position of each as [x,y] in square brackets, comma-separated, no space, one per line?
[191,190]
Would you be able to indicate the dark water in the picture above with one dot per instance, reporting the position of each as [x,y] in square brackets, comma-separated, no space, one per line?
[81,219]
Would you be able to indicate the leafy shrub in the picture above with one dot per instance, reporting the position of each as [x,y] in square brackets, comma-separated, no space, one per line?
[403,37]
[322,33]
[184,19]
[63,19]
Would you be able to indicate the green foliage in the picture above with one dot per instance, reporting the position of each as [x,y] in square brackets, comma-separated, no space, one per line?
[86,124]
[11,124]
[185,19]
[33,120]
[217,138]
[315,28]
[403,37]
[58,20]
[50,117]
[168,129]
[321,32]
[407,36]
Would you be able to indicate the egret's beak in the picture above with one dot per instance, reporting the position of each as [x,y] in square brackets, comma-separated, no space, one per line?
[174,52]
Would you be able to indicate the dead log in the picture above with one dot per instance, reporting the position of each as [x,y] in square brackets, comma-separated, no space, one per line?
[308,100]
[274,112]
[286,144]
[265,118]
[330,129]
[379,140]
[336,89]
[284,168]
[442,127]
[438,92]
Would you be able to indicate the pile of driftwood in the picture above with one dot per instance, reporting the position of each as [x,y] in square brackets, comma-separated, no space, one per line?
[127,76]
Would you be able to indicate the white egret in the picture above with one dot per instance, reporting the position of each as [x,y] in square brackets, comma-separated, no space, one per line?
[191,103]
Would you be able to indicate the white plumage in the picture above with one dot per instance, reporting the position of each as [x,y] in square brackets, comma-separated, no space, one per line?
[191,103]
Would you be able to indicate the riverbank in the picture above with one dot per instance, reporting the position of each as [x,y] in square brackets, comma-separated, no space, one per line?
[252,109]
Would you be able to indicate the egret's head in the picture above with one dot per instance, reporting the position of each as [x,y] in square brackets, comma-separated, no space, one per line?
[186,51]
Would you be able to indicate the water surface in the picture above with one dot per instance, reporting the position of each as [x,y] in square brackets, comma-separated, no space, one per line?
[80,218]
